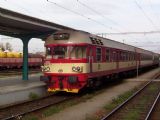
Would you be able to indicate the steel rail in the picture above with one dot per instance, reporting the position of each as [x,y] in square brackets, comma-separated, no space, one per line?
[153,106]
[36,109]
[125,102]
[130,98]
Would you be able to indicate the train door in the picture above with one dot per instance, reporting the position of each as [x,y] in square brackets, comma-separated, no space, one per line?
[138,59]
[117,58]
[90,57]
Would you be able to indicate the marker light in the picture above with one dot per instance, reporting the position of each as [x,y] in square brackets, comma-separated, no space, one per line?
[45,68]
[77,69]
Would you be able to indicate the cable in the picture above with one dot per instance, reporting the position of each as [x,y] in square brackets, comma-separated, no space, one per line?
[148,18]
[79,13]
[151,7]
[98,13]
[82,15]
[127,33]
[85,17]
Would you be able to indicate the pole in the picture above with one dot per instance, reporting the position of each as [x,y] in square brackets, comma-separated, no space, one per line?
[137,69]
[25,58]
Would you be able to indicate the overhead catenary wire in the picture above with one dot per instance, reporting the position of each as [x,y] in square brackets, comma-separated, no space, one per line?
[112,28]
[77,13]
[148,18]
[144,13]
[127,33]
[98,13]
[151,7]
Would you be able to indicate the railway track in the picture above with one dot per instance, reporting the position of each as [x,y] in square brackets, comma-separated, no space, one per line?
[142,105]
[17,72]
[154,112]
[18,110]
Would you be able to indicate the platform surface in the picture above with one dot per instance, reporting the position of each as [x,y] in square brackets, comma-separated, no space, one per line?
[9,81]
[14,89]
[13,84]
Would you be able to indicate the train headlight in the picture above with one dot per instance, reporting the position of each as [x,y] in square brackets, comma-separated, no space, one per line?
[45,68]
[77,69]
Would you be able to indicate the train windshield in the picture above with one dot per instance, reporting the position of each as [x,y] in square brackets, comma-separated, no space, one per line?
[60,52]
[77,52]
[66,52]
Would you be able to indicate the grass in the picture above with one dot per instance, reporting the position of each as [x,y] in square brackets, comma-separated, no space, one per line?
[52,110]
[55,109]
[33,96]
[113,104]
[132,115]
[153,87]
[31,117]
[118,100]
[135,114]
[59,107]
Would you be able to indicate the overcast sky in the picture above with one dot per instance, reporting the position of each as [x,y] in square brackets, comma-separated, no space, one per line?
[102,16]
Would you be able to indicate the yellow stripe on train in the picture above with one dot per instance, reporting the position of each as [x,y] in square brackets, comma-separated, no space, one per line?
[66,90]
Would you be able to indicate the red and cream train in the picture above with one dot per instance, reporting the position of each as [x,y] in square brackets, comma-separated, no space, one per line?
[76,59]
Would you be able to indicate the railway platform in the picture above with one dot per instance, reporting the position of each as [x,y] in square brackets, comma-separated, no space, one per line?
[14,89]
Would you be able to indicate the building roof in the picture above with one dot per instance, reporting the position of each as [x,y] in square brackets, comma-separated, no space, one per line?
[18,25]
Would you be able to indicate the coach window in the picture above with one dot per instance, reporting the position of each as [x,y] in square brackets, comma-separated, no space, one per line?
[126,56]
[121,56]
[129,56]
[114,56]
[107,55]
[98,54]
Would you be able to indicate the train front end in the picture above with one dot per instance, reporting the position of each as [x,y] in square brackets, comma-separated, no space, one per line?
[65,66]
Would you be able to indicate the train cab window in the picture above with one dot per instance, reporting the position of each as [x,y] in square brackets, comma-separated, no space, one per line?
[48,52]
[107,54]
[60,52]
[78,52]
[98,54]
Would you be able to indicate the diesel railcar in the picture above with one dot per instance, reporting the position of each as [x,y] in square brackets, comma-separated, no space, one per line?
[77,59]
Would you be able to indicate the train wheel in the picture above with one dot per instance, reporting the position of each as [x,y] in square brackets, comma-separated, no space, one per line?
[95,83]
[90,83]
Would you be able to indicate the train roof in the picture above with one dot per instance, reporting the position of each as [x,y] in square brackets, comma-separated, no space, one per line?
[77,36]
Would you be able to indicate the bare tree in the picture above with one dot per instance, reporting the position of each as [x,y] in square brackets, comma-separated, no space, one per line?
[8,47]
[2,47]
